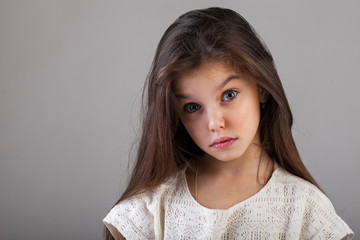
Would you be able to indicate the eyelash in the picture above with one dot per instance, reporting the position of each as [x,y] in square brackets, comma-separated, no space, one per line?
[189,107]
[227,92]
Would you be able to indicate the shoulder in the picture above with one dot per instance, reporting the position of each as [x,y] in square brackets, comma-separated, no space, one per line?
[296,188]
[310,206]
[139,215]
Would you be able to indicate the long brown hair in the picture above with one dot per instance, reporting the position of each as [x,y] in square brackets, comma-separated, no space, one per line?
[195,37]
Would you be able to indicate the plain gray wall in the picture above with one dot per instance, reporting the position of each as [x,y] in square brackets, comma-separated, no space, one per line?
[71,74]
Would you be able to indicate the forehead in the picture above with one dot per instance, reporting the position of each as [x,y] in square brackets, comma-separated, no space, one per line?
[209,75]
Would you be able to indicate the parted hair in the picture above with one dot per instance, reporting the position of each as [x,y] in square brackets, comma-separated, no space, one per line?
[198,36]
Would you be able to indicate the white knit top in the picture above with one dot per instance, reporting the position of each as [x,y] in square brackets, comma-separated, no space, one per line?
[287,207]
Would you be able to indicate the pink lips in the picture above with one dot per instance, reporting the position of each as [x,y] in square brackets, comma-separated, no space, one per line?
[223,142]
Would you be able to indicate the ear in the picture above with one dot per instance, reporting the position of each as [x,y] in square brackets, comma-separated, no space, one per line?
[263,95]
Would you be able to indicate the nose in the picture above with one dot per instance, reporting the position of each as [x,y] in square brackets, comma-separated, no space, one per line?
[216,120]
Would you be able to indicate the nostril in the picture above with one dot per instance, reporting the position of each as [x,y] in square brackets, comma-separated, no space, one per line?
[216,124]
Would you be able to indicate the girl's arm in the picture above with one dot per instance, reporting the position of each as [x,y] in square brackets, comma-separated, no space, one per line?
[119,237]
[115,233]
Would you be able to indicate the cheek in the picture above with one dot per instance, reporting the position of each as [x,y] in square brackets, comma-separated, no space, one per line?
[245,117]
[194,127]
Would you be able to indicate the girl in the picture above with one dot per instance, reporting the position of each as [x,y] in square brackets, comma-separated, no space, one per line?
[217,159]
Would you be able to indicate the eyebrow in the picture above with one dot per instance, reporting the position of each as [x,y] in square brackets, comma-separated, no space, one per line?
[227,80]
[220,86]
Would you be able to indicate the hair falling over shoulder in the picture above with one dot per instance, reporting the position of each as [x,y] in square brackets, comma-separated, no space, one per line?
[213,34]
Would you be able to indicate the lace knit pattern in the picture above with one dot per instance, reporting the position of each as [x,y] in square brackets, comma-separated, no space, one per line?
[287,207]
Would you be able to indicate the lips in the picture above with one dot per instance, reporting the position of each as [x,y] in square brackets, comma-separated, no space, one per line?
[223,142]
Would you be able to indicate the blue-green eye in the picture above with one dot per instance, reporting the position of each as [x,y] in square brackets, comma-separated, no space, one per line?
[191,107]
[229,95]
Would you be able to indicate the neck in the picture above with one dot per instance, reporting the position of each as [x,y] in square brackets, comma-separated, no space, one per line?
[238,179]
[257,166]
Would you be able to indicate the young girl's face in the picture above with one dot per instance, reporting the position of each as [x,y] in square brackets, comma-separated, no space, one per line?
[220,109]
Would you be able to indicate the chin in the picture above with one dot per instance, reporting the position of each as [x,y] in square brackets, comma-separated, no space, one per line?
[226,157]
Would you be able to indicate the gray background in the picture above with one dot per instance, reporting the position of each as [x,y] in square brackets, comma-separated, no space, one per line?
[71,74]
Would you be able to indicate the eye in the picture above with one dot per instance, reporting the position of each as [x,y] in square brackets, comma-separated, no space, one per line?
[191,107]
[229,95]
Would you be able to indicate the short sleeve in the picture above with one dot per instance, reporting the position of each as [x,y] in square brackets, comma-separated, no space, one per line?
[132,219]
[321,220]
